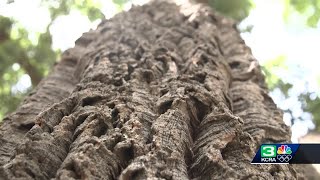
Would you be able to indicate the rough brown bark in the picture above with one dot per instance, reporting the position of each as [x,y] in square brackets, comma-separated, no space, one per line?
[161,95]
[57,86]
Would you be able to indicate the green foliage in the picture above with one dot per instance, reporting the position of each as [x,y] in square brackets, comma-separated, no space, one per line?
[5,28]
[120,3]
[89,8]
[11,52]
[34,57]
[270,68]
[308,8]
[235,9]
[9,77]
[41,55]
[309,100]
[312,105]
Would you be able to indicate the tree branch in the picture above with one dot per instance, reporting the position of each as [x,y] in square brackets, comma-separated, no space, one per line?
[32,71]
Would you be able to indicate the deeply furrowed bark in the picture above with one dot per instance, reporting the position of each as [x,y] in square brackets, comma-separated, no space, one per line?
[161,95]
[57,86]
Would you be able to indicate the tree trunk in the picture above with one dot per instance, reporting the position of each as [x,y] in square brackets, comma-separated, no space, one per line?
[162,92]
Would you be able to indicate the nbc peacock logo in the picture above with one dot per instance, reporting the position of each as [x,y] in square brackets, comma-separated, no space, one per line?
[284,153]
[284,149]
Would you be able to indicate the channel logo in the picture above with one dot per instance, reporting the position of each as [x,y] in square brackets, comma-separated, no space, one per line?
[284,149]
[284,153]
[287,154]
[274,154]
[268,153]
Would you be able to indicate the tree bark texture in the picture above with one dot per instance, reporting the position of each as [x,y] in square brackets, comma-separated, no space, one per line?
[159,92]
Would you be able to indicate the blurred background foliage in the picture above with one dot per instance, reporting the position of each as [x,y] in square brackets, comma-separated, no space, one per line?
[27,55]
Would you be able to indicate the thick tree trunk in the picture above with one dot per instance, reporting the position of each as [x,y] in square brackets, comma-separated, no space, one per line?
[159,94]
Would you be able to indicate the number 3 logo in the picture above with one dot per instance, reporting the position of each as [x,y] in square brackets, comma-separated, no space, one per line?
[268,151]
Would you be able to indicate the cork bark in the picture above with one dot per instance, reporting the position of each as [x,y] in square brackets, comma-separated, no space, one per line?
[159,92]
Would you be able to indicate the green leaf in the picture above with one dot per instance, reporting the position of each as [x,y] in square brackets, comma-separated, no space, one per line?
[235,9]
[269,69]
[312,106]
[313,20]
[310,9]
